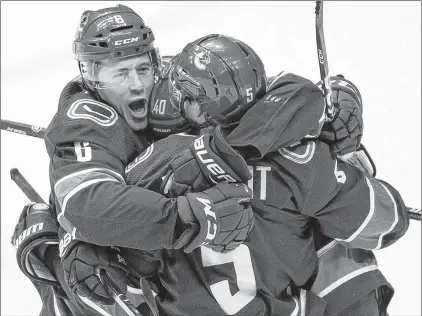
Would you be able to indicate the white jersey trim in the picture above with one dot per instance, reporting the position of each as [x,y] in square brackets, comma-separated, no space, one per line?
[80,187]
[55,305]
[94,306]
[368,218]
[302,302]
[140,158]
[346,278]
[396,219]
[78,173]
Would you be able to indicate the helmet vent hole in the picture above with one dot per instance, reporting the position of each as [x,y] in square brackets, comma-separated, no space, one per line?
[99,35]
[145,36]
[244,50]
[126,27]
[92,44]
[103,44]
[256,77]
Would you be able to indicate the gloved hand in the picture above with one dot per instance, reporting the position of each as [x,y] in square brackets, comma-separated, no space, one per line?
[36,240]
[344,132]
[209,160]
[219,218]
[81,266]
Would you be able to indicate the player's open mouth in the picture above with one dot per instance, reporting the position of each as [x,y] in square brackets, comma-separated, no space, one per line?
[139,108]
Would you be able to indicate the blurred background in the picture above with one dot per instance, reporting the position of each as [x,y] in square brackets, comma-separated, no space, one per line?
[377,45]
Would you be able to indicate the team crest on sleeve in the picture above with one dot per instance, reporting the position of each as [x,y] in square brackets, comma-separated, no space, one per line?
[301,153]
[141,158]
[92,110]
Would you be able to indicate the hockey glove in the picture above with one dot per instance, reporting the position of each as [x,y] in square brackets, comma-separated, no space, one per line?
[209,160]
[361,160]
[344,132]
[82,265]
[219,218]
[36,239]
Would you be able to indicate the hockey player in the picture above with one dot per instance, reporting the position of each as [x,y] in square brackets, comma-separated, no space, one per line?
[97,131]
[291,187]
[348,278]
[95,134]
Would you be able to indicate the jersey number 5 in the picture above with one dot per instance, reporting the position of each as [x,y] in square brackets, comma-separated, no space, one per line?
[245,278]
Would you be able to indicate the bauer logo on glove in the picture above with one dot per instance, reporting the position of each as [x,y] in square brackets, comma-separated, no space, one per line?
[35,233]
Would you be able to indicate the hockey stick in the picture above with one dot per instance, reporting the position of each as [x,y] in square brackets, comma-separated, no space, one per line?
[117,294]
[24,185]
[414,213]
[119,297]
[23,129]
[323,63]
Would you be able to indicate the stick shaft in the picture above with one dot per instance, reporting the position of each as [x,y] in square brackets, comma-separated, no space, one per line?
[24,185]
[23,129]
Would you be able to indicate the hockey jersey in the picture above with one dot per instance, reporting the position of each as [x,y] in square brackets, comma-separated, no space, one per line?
[292,109]
[89,146]
[295,188]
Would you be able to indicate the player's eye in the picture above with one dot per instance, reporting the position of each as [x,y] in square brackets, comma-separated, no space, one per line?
[121,74]
[144,69]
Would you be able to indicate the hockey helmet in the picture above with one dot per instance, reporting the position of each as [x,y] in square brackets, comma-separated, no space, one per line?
[111,34]
[222,74]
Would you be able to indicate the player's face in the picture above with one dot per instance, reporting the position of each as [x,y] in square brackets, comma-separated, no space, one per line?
[128,86]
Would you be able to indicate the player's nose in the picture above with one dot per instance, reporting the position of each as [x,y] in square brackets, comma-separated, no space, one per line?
[136,83]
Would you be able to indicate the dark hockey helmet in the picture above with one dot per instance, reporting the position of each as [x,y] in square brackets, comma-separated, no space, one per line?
[112,33]
[222,74]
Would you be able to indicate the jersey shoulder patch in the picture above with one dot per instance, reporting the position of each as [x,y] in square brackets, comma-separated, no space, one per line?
[95,111]
[83,119]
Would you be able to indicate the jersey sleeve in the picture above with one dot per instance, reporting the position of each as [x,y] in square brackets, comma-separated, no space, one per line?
[89,147]
[359,274]
[357,210]
[292,109]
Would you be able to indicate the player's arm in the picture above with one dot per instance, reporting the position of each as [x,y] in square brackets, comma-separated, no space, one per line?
[93,198]
[94,204]
[292,109]
[352,207]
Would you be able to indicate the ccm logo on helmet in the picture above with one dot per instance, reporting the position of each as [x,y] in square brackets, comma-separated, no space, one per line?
[126,41]
[212,166]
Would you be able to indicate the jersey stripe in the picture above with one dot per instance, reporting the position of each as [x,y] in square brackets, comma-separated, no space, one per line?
[338,264]
[396,219]
[70,185]
[346,278]
[381,220]
[90,170]
[94,306]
